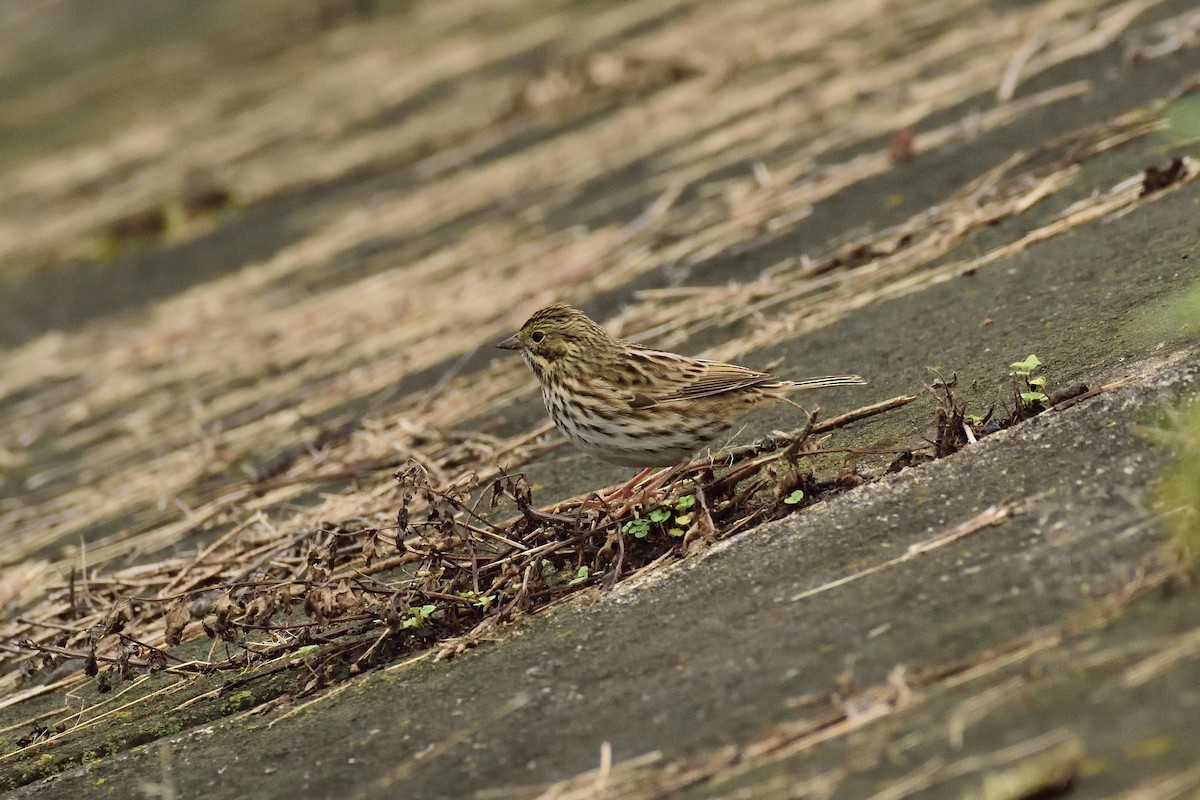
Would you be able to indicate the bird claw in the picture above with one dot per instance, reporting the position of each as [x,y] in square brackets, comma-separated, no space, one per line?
[625,490]
[651,493]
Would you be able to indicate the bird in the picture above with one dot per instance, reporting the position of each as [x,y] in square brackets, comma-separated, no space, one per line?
[635,406]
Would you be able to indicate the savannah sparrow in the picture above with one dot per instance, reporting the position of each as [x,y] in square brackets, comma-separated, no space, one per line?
[630,405]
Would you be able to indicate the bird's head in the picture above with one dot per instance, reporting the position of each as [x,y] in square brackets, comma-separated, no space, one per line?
[556,335]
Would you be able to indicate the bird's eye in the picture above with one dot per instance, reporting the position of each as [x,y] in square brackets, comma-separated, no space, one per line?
[536,337]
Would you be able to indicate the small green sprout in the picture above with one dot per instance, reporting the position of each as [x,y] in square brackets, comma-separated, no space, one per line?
[1023,368]
[667,519]
[974,419]
[419,616]
[581,576]
[795,498]
[478,600]
[637,528]
[1035,384]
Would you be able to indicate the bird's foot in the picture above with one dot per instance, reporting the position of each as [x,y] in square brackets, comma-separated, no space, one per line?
[644,495]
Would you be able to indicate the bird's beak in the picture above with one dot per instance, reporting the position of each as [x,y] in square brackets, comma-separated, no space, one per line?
[511,343]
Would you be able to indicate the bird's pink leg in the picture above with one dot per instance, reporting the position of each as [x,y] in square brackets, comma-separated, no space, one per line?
[626,489]
[653,485]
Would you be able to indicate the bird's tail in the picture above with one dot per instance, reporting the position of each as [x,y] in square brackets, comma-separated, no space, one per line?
[821,382]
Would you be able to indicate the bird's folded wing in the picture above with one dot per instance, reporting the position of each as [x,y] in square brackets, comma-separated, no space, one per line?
[695,378]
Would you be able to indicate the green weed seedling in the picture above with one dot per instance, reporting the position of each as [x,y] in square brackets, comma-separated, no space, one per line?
[637,528]
[671,520]
[1035,384]
[478,600]
[419,616]
[1029,389]
[795,498]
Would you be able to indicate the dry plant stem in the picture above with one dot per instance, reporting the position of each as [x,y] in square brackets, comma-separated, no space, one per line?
[1088,395]
[1061,743]
[625,489]
[735,476]
[993,515]
[209,549]
[738,474]
[864,412]
[737,454]
[614,573]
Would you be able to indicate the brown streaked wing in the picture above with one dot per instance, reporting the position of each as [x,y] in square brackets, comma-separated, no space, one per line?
[668,377]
